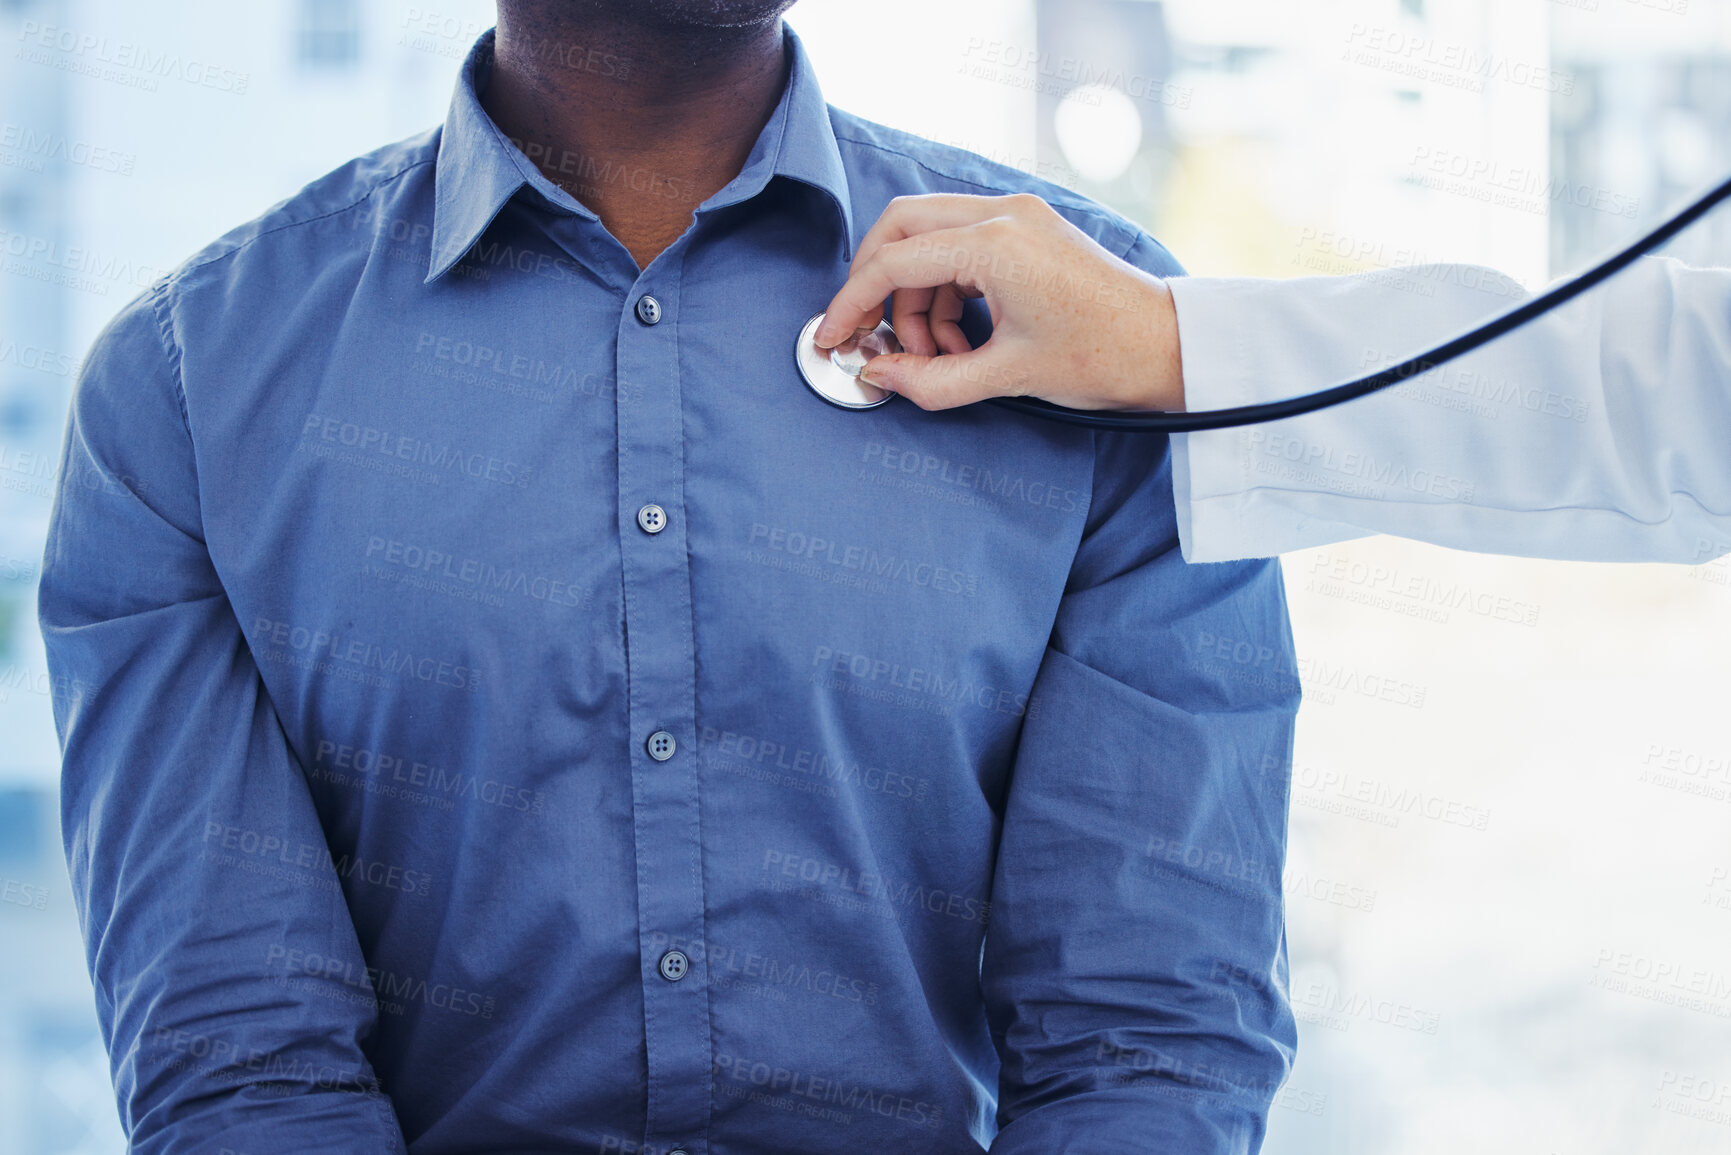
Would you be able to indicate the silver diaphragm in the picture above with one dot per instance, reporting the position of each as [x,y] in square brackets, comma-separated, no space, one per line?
[833,374]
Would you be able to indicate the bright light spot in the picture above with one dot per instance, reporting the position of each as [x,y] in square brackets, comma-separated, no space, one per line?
[1099,130]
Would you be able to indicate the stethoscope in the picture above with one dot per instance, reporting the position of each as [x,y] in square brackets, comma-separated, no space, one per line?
[834,374]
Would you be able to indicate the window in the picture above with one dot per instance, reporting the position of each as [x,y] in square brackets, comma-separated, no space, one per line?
[329,34]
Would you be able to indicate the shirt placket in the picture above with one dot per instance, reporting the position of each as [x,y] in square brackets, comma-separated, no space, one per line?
[661,670]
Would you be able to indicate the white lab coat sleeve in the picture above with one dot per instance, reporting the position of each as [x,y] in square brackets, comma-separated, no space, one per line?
[1600,432]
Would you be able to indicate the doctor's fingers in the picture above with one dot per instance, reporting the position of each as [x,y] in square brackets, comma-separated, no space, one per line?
[909,216]
[947,381]
[925,320]
[923,262]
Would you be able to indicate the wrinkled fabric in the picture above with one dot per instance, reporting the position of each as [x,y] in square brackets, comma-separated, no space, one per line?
[976,803]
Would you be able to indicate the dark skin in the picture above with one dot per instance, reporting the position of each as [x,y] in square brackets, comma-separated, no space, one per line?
[641,109]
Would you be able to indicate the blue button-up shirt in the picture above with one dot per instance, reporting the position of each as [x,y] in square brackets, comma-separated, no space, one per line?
[972,829]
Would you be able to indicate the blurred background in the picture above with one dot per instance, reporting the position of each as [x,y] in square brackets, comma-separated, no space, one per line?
[1509,885]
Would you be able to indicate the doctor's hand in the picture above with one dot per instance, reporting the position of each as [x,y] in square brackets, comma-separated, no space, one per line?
[1071,323]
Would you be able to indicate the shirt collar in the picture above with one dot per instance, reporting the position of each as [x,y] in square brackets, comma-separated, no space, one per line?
[479,170]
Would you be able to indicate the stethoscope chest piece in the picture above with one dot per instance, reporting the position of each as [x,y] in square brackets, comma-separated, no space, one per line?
[833,374]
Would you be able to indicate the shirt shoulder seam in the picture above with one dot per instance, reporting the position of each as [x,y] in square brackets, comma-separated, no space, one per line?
[1135,233]
[872,144]
[170,348]
[162,306]
[286,225]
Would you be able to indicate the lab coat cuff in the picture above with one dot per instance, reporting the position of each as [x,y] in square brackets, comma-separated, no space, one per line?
[1211,471]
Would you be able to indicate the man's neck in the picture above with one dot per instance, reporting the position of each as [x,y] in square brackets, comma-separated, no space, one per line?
[639,122]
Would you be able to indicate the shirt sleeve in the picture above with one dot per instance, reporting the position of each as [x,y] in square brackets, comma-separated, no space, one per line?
[1135,969]
[1596,433]
[202,877]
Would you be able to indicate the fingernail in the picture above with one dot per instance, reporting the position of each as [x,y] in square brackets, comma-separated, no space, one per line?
[875,379]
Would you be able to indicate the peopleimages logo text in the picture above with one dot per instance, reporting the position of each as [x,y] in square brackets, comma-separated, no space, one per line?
[90,49]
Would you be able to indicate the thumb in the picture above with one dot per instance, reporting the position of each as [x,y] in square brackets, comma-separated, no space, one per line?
[942,382]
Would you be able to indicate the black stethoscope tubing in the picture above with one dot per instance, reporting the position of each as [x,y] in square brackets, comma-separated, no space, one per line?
[1182,422]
